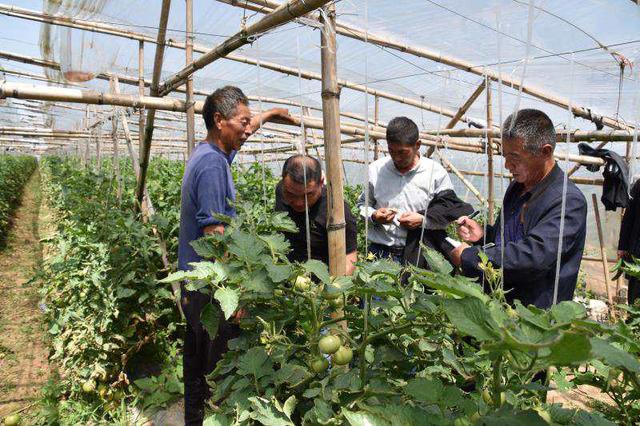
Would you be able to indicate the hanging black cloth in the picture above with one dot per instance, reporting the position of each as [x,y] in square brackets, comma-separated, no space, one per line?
[443,209]
[615,191]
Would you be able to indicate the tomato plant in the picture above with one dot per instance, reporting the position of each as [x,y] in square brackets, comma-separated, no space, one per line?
[15,171]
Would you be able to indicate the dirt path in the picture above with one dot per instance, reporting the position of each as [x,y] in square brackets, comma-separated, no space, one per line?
[23,352]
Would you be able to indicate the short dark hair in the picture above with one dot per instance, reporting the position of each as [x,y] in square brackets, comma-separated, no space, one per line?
[402,130]
[294,167]
[533,126]
[225,101]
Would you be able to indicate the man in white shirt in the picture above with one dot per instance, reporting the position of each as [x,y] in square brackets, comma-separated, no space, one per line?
[400,187]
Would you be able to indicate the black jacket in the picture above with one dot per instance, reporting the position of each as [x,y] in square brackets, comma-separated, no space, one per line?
[615,190]
[630,228]
[530,263]
[442,210]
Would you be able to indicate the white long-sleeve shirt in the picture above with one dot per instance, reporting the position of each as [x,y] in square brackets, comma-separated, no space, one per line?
[409,192]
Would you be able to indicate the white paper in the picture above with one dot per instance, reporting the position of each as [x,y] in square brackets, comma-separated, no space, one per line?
[454,243]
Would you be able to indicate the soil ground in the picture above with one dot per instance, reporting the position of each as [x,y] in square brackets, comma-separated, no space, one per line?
[23,350]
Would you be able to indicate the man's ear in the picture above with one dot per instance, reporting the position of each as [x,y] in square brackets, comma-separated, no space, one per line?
[418,143]
[217,120]
[547,150]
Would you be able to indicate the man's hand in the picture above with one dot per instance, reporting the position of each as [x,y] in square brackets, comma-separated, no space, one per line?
[456,254]
[383,215]
[238,315]
[469,230]
[411,220]
[623,254]
[278,115]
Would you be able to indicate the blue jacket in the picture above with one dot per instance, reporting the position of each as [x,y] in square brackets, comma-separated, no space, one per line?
[529,264]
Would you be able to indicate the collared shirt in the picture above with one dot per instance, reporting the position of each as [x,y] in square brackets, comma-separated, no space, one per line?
[319,236]
[408,192]
[529,263]
[207,188]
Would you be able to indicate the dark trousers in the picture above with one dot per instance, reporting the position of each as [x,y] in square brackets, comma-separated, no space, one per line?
[385,252]
[633,292]
[200,356]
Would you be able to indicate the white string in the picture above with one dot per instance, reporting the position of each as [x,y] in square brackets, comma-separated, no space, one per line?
[499,45]
[366,126]
[564,188]
[303,152]
[264,177]
[634,143]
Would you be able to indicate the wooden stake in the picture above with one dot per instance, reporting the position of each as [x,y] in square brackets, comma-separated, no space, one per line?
[145,149]
[331,119]
[141,85]
[490,195]
[282,14]
[464,180]
[603,255]
[116,153]
[189,98]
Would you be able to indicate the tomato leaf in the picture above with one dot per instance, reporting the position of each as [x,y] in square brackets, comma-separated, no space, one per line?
[228,299]
[424,390]
[210,318]
[317,268]
[471,317]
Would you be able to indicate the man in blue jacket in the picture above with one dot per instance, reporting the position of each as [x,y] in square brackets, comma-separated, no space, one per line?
[526,247]
[207,189]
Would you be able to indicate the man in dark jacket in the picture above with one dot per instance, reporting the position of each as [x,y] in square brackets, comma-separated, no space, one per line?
[629,241]
[293,197]
[525,241]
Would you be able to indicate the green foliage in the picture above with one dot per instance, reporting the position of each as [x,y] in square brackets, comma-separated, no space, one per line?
[100,286]
[15,171]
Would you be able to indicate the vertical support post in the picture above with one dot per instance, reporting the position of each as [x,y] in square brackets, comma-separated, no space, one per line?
[116,150]
[489,150]
[376,118]
[603,255]
[189,60]
[140,93]
[331,123]
[98,144]
[145,149]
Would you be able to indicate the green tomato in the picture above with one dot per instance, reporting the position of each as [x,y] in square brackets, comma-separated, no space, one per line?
[12,420]
[486,396]
[329,344]
[319,365]
[460,421]
[337,303]
[330,296]
[475,417]
[343,356]
[302,283]
[89,386]
[102,390]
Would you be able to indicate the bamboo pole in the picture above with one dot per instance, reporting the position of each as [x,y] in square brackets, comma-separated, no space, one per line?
[115,149]
[561,135]
[423,52]
[465,107]
[145,148]
[490,195]
[141,84]
[149,210]
[189,60]
[331,120]
[116,31]
[461,112]
[281,15]
[576,180]
[460,176]
[603,255]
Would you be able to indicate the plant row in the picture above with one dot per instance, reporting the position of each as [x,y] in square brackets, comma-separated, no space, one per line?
[15,171]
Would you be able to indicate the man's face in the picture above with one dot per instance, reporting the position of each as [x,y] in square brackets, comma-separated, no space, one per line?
[293,193]
[403,155]
[235,130]
[525,167]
